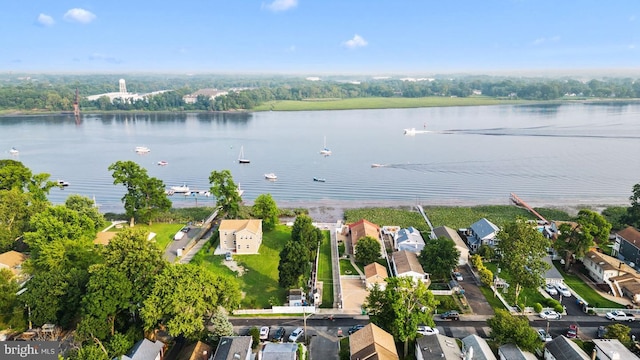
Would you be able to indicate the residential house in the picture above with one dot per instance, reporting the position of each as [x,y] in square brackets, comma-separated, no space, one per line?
[375,273]
[360,229]
[476,348]
[552,276]
[622,279]
[627,245]
[562,348]
[482,232]
[612,349]
[146,350]
[12,260]
[207,93]
[233,348]
[195,351]
[296,297]
[240,236]
[280,351]
[512,352]
[371,342]
[436,347]
[409,239]
[405,263]
[449,233]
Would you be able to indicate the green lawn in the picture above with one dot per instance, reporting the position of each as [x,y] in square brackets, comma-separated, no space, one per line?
[585,291]
[164,232]
[447,302]
[346,268]
[491,298]
[527,296]
[325,273]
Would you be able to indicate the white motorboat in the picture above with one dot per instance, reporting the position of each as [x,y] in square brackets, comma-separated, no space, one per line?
[163,163]
[239,190]
[376,165]
[14,151]
[319,179]
[411,131]
[63,183]
[270,176]
[241,158]
[180,189]
[325,150]
[142,149]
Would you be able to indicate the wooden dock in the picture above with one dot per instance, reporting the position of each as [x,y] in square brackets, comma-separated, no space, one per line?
[519,202]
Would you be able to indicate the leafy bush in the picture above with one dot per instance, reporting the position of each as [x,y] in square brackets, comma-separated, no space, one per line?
[476,261]
[254,332]
[537,307]
[486,276]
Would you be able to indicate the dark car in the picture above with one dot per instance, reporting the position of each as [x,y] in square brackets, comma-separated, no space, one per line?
[278,335]
[600,332]
[451,315]
[355,328]
[185,229]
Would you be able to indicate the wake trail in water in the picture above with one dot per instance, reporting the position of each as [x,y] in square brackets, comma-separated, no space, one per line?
[521,132]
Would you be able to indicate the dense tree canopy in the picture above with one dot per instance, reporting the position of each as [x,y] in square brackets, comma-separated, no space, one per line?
[226,192]
[294,263]
[439,257]
[367,250]
[575,241]
[265,208]
[510,329]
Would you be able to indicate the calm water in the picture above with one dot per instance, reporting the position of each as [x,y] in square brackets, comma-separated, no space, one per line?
[563,154]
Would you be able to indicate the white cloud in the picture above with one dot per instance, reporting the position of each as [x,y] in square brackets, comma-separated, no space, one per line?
[105,58]
[45,20]
[356,42]
[79,15]
[281,5]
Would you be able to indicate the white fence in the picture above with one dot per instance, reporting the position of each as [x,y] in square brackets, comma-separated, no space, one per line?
[278,310]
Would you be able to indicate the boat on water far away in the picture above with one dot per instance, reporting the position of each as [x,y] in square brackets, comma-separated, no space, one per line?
[142,149]
[180,189]
[325,150]
[376,165]
[14,151]
[241,158]
[163,163]
[63,183]
[319,179]
[239,190]
[270,176]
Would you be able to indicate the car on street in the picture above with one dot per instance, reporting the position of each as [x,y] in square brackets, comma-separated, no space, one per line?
[450,315]
[278,335]
[600,332]
[427,330]
[563,289]
[543,335]
[296,334]
[549,288]
[185,229]
[620,316]
[354,328]
[264,333]
[550,315]
[456,276]
[227,256]
[572,332]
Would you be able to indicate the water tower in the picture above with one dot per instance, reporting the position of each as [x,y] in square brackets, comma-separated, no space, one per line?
[123,86]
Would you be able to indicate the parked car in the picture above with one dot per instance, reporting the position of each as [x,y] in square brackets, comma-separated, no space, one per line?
[295,335]
[549,288]
[572,332]
[600,332]
[278,335]
[620,316]
[452,315]
[355,328]
[456,276]
[427,330]
[264,333]
[227,256]
[563,289]
[543,335]
[550,314]
[185,229]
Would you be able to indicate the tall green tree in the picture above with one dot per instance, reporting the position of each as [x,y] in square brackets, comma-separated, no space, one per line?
[620,332]
[633,211]
[575,241]
[85,206]
[510,329]
[401,307]
[304,232]
[145,196]
[15,213]
[522,248]
[265,208]
[367,250]
[226,192]
[294,263]
[11,310]
[221,324]
[183,295]
[439,257]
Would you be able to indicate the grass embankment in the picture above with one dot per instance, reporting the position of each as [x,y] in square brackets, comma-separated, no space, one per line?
[325,273]
[380,103]
[585,291]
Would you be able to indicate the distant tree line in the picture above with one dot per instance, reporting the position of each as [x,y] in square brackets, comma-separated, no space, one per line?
[57,92]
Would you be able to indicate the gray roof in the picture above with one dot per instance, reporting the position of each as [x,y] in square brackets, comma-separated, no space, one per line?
[144,350]
[483,227]
[553,272]
[410,239]
[436,347]
[445,231]
[564,349]
[279,351]
[231,345]
[612,346]
[481,350]
[512,352]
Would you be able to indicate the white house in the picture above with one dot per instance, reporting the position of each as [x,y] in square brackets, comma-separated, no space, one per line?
[612,349]
[621,278]
[482,232]
[512,352]
[146,350]
[240,236]
[405,263]
[449,233]
[375,273]
[409,239]
[476,347]
[437,347]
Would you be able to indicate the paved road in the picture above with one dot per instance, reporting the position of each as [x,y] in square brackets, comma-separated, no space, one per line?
[476,299]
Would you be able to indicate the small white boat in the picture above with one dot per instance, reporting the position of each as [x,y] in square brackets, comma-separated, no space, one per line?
[142,149]
[376,165]
[163,163]
[239,190]
[270,176]
[63,183]
[14,151]
[319,179]
[241,158]
[325,150]
[411,131]
[180,189]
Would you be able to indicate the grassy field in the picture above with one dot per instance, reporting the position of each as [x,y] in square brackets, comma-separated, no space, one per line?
[379,103]
[527,296]
[325,273]
[164,232]
[461,217]
[388,216]
[585,291]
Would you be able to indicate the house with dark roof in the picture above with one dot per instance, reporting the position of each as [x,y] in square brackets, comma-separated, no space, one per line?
[409,239]
[449,233]
[375,273]
[562,348]
[146,350]
[627,245]
[233,348]
[406,264]
[360,229]
[482,232]
[240,236]
[436,347]
[371,342]
[512,352]
[476,348]
[280,351]
[195,351]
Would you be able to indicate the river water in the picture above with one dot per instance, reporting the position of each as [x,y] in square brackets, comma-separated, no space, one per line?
[546,154]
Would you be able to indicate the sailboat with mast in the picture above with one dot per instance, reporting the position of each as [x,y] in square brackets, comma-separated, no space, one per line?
[241,158]
[325,150]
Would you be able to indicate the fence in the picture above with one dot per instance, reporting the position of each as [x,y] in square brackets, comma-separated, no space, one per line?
[277,310]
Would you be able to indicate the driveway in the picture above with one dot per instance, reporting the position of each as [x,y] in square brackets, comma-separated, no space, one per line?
[353,295]
[475,298]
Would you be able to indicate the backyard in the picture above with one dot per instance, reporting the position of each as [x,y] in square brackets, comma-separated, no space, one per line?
[164,232]
[585,291]
[325,273]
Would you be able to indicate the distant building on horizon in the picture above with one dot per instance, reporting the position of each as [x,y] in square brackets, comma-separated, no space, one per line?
[123,94]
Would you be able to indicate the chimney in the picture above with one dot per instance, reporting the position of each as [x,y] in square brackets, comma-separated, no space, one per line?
[593,354]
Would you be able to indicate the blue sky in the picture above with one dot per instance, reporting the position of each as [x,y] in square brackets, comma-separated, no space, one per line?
[318,36]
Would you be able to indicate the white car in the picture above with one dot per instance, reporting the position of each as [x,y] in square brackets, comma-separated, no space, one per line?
[620,316]
[295,335]
[563,289]
[427,330]
[543,335]
[457,276]
[264,333]
[550,314]
[551,289]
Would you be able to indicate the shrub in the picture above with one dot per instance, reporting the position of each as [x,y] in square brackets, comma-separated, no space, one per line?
[254,332]
[558,308]
[537,307]
[486,276]
[476,261]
